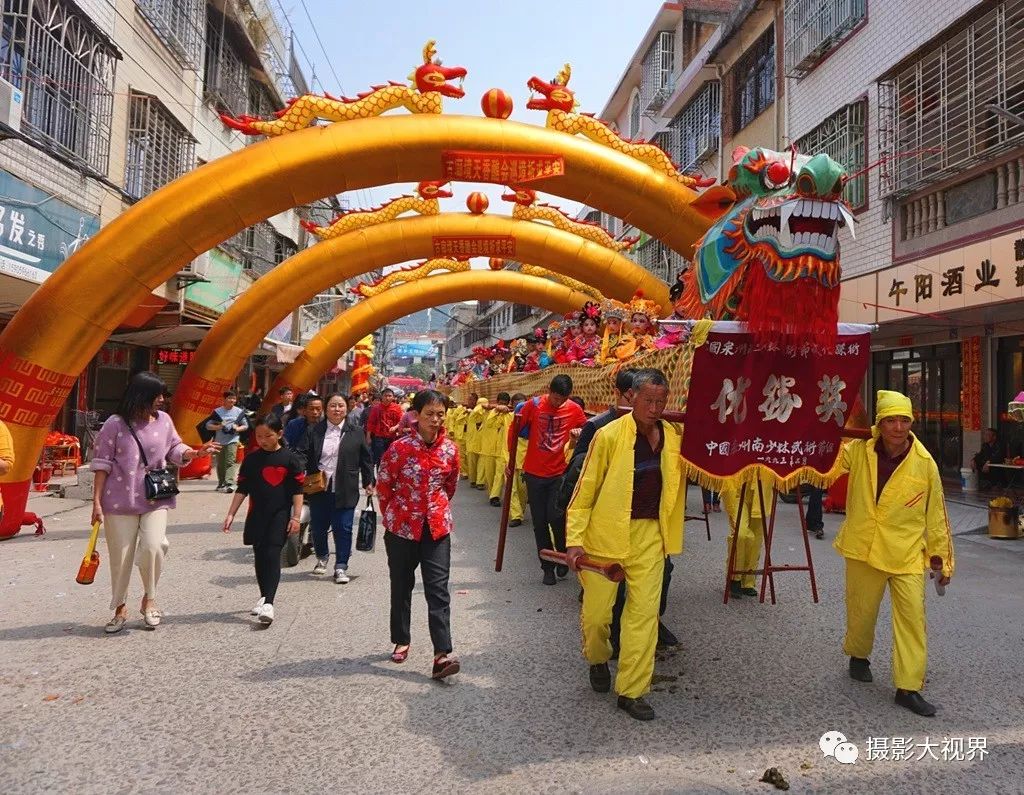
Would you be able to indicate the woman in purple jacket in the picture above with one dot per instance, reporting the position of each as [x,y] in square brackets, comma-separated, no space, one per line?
[119,501]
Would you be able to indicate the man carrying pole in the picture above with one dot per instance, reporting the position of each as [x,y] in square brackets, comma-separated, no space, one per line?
[628,507]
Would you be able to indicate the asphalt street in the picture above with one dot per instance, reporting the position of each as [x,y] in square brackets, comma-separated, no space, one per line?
[211,702]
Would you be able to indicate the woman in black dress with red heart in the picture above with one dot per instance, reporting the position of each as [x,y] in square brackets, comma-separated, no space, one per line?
[272,478]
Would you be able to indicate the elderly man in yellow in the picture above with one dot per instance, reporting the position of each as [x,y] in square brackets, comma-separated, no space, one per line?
[751,533]
[628,507]
[518,499]
[496,445]
[895,530]
[490,430]
[474,423]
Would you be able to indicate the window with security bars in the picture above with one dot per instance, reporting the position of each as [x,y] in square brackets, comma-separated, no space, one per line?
[634,117]
[259,247]
[521,312]
[179,24]
[952,106]
[698,127]
[658,72]
[754,81]
[842,137]
[159,149]
[65,67]
[653,256]
[225,75]
[816,27]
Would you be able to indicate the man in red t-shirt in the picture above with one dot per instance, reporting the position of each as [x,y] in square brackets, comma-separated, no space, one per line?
[382,424]
[550,420]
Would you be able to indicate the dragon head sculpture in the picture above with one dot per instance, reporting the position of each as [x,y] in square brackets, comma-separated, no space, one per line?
[521,196]
[554,95]
[433,190]
[772,260]
[432,76]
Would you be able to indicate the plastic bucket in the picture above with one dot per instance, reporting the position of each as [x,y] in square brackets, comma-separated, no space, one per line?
[1002,523]
[968,480]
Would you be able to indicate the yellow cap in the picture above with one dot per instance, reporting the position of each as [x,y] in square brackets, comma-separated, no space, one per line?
[481,402]
[892,404]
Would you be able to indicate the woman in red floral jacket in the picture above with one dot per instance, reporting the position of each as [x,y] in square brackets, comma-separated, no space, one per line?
[416,482]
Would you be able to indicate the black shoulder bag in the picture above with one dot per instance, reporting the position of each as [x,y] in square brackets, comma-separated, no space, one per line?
[162,483]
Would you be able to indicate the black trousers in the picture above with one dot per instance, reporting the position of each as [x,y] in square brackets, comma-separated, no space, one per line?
[434,559]
[548,521]
[620,601]
[268,569]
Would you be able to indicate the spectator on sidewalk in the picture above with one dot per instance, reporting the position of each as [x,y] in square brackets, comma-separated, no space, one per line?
[417,480]
[311,411]
[382,424]
[230,422]
[993,451]
[134,526]
[284,405]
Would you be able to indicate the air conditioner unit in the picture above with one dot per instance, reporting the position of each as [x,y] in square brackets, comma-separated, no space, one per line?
[11,99]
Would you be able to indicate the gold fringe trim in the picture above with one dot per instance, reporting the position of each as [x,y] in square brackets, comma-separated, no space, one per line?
[749,475]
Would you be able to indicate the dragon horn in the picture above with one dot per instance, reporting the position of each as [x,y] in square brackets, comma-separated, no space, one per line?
[562,78]
[429,51]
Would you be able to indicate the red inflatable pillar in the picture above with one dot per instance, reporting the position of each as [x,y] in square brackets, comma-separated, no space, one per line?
[15,517]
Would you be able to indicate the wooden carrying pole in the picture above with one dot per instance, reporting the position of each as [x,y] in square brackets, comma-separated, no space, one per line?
[613,571]
[506,500]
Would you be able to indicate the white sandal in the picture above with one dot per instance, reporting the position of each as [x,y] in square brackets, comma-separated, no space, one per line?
[116,624]
[152,617]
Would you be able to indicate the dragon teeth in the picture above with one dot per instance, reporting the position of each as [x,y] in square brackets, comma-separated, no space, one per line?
[848,219]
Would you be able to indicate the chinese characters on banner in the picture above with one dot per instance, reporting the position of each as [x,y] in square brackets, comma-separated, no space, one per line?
[970,396]
[505,168]
[776,405]
[475,246]
[171,356]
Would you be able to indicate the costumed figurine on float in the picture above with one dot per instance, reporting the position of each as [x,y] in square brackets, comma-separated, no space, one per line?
[616,342]
[587,346]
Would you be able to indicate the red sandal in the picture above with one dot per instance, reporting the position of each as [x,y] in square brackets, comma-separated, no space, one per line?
[399,656]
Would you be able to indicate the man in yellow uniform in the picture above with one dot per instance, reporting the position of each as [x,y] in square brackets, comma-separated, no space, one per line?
[474,421]
[458,415]
[497,441]
[751,533]
[628,507]
[487,462]
[895,530]
[518,499]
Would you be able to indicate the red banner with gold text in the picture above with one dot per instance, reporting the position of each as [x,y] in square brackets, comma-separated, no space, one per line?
[772,408]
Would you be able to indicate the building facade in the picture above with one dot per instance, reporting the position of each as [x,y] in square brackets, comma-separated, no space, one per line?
[105,101]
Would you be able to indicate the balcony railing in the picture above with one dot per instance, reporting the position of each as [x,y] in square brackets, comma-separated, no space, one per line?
[658,72]
[814,27]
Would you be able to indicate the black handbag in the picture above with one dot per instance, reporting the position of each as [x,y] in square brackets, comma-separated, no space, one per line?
[367,535]
[162,483]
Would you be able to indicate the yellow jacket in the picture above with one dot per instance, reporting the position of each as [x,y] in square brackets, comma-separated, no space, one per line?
[488,433]
[456,423]
[6,450]
[500,442]
[599,512]
[907,525]
[474,423]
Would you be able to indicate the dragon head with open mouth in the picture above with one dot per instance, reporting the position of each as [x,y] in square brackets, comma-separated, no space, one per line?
[772,260]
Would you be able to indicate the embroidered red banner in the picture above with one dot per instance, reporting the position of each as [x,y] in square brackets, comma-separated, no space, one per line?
[774,408]
[504,168]
[475,246]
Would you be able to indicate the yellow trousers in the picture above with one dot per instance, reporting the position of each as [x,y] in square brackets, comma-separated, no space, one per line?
[463,458]
[515,510]
[485,469]
[497,484]
[472,462]
[751,533]
[638,636]
[865,586]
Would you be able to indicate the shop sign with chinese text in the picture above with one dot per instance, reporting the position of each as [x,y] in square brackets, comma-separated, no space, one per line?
[37,231]
[771,407]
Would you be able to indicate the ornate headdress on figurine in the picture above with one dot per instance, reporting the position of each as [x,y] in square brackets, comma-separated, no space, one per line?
[614,309]
[591,311]
[540,335]
[570,320]
[480,350]
[644,306]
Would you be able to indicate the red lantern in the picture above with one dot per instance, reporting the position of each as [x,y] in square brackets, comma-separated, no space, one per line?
[477,202]
[496,263]
[496,104]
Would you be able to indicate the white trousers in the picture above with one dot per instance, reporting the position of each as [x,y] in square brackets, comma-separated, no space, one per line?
[148,534]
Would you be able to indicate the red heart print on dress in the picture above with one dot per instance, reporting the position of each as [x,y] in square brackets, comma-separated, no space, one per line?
[275,475]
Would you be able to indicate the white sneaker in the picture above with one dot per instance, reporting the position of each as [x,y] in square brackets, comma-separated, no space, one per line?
[320,569]
[256,610]
[341,576]
[266,614]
